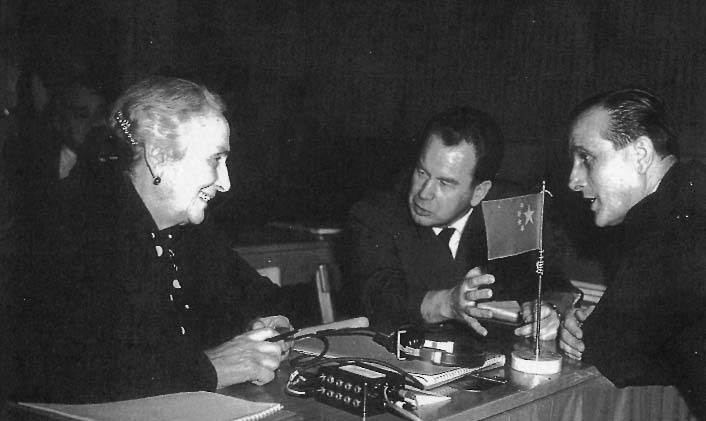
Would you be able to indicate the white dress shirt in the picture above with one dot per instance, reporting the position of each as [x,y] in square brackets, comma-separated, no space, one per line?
[458,226]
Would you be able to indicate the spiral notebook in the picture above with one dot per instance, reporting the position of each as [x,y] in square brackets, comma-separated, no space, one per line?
[428,374]
[188,406]
[430,381]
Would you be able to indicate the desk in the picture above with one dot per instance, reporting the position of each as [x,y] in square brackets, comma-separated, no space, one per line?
[463,406]
[580,392]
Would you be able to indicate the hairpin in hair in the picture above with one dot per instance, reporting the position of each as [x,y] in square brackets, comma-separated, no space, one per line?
[125,126]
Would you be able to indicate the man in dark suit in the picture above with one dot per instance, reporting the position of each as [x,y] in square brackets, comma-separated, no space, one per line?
[649,328]
[420,255]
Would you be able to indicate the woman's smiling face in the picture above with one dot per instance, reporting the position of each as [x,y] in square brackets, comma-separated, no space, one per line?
[189,183]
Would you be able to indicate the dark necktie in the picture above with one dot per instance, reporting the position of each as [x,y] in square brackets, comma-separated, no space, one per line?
[445,235]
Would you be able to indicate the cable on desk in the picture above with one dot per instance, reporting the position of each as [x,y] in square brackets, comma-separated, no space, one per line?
[298,383]
[398,407]
[302,360]
[322,335]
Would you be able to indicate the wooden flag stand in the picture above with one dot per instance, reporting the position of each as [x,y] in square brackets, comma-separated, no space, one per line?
[537,361]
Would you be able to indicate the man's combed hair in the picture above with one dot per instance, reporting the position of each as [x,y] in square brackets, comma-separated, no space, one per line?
[156,107]
[634,113]
[466,124]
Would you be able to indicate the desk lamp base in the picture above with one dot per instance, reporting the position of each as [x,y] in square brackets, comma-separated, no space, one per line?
[524,360]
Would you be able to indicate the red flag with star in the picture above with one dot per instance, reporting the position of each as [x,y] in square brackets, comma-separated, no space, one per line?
[513,225]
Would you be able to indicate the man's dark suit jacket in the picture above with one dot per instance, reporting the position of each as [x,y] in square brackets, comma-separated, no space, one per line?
[391,262]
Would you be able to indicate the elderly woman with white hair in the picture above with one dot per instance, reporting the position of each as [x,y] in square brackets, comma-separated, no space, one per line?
[130,294]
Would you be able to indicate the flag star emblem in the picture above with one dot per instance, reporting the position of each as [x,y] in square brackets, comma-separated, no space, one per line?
[528,216]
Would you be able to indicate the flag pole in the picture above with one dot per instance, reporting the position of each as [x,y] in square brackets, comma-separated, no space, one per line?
[540,272]
[537,304]
[526,360]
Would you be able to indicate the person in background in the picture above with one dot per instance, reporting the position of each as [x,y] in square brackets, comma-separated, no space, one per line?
[48,147]
[133,292]
[400,270]
[80,107]
[72,112]
[649,328]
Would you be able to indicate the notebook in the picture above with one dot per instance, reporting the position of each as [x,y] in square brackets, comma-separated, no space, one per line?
[430,381]
[187,406]
[428,374]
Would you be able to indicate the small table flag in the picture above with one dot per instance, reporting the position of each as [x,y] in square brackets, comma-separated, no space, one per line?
[513,225]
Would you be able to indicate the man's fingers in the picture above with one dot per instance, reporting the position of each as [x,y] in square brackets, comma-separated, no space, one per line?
[569,350]
[476,281]
[525,330]
[473,273]
[548,329]
[572,327]
[528,311]
[478,294]
[473,311]
[571,333]
[475,325]
[582,314]
[547,335]
[547,312]
[570,337]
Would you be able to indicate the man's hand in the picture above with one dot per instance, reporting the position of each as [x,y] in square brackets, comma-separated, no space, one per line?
[247,357]
[549,322]
[571,334]
[459,302]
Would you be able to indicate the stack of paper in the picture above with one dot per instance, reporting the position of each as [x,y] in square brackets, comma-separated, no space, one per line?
[188,406]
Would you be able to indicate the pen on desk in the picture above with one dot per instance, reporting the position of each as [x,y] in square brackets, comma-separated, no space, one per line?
[282,336]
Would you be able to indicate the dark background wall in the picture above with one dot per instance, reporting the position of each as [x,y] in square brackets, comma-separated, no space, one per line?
[326,96]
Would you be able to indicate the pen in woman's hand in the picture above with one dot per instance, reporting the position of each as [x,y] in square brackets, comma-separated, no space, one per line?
[283,336]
